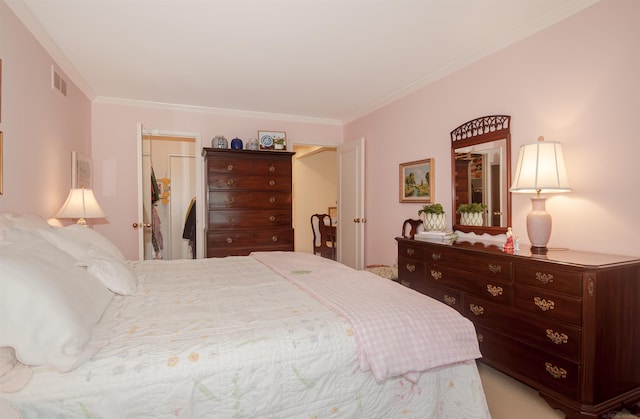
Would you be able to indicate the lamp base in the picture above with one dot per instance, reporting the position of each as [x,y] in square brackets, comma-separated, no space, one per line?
[82,222]
[538,224]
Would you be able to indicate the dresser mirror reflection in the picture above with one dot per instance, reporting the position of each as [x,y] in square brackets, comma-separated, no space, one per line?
[481,172]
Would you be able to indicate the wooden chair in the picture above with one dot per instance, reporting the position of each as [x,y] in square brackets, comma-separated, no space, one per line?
[324,236]
[414,224]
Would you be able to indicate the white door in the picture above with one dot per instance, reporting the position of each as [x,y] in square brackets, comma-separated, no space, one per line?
[351,216]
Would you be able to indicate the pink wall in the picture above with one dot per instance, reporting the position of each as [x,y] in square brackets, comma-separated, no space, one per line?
[40,126]
[114,153]
[576,82]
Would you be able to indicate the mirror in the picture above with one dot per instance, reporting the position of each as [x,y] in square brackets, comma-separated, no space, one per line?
[481,172]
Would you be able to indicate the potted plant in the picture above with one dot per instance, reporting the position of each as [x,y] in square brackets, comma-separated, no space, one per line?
[278,143]
[433,217]
[471,214]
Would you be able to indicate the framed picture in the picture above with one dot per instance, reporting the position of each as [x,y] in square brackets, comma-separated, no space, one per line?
[81,175]
[272,140]
[416,181]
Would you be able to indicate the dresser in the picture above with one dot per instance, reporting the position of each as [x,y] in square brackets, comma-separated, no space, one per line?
[566,323]
[248,198]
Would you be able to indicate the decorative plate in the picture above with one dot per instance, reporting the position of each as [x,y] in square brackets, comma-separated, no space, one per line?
[266,141]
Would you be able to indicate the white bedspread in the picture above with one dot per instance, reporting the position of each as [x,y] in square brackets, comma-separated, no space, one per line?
[225,338]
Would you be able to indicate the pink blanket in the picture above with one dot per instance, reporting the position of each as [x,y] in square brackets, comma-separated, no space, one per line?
[398,331]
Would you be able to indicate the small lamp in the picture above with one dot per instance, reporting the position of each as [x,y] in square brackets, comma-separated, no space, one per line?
[81,204]
[540,169]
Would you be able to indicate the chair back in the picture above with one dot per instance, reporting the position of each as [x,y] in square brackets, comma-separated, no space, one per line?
[414,225]
[324,236]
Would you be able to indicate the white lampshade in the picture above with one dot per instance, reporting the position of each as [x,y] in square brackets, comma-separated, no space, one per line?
[80,204]
[540,169]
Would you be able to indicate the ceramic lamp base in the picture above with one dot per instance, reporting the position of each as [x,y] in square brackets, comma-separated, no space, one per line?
[538,225]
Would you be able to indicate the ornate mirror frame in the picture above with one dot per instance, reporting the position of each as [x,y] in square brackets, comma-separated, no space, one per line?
[473,135]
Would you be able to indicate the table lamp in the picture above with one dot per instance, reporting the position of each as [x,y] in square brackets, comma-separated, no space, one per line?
[81,204]
[540,169]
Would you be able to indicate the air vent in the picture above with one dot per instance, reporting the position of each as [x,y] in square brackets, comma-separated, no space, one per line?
[57,82]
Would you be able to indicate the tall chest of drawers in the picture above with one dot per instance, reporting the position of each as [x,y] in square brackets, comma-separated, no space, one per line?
[566,323]
[248,196]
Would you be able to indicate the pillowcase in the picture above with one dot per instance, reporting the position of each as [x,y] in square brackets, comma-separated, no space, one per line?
[113,273]
[76,240]
[48,306]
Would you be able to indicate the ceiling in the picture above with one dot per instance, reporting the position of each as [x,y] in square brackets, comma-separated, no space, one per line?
[329,61]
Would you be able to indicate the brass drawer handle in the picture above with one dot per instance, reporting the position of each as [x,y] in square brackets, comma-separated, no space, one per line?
[272,168]
[544,278]
[449,300]
[436,256]
[229,240]
[230,220]
[436,274]
[411,251]
[272,199]
[230,182]
[556,337]
[272,218]
[230,167]
[555,371]
[477,310]
[274,238]
[405,283]
[229,200]
[480,337]
[544,305]
[272,182]
[494,290]
[495,268]
[411,268]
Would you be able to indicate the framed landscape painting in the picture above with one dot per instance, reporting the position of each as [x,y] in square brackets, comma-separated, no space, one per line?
[416,181]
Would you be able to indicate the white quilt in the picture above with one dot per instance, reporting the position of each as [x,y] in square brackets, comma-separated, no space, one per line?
[229,338]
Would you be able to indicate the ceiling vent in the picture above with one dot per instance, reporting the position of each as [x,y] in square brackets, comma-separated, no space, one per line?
[57,82]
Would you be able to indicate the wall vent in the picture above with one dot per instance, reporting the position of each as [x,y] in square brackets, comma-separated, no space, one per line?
[57,82]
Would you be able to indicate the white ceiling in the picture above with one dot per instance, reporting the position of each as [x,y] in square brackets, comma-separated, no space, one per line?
[318,60]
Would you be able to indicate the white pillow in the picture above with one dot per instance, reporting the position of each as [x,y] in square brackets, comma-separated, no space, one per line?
[76,240]
[48,306]
[113,273]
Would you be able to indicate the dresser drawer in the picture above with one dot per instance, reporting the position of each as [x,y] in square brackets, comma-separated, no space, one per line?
[548,305]
[485,286]
[228,165]
[243,242]
[242,199]
[265,183]
[411,252]
[549,279]
[411,273]
[486,266]
[271,168]
[557,338]
[531,364]
[249,219]
[449,296]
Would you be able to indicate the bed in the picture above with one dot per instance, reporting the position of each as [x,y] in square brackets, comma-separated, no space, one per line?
[273,334]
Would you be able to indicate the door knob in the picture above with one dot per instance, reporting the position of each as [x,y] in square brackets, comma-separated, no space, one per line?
[138,225]
[356,220]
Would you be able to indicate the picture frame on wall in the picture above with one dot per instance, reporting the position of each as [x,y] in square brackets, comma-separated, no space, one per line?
[416,181]
[81,170]
[272,140]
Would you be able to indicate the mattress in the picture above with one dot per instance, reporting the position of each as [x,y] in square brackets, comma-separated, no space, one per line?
[230,337]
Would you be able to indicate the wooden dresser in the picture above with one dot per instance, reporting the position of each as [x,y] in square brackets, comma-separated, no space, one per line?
[566,323]
[248,196]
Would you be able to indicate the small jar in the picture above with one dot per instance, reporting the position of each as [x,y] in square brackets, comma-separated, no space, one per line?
[219,141]
[236,143]
[252,144]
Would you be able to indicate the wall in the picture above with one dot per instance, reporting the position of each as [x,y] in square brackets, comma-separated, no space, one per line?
[40,126]
[115,152]
[576,82]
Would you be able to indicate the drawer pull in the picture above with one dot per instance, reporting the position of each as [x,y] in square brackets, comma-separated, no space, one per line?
[405,283]
[274,238]
[544,305]
[230,220]
[436,274]
[411,251]
[230,167]
[556,337]
[229,240]
[272,182]
[272,168]
[555,371]
[411,268]
[494,290]
[480,337]
[449,300]
[477,310]
[436,256]
[544,278]
[229,200]
[230,182]
[495,268]
[272,218]
[272,199]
